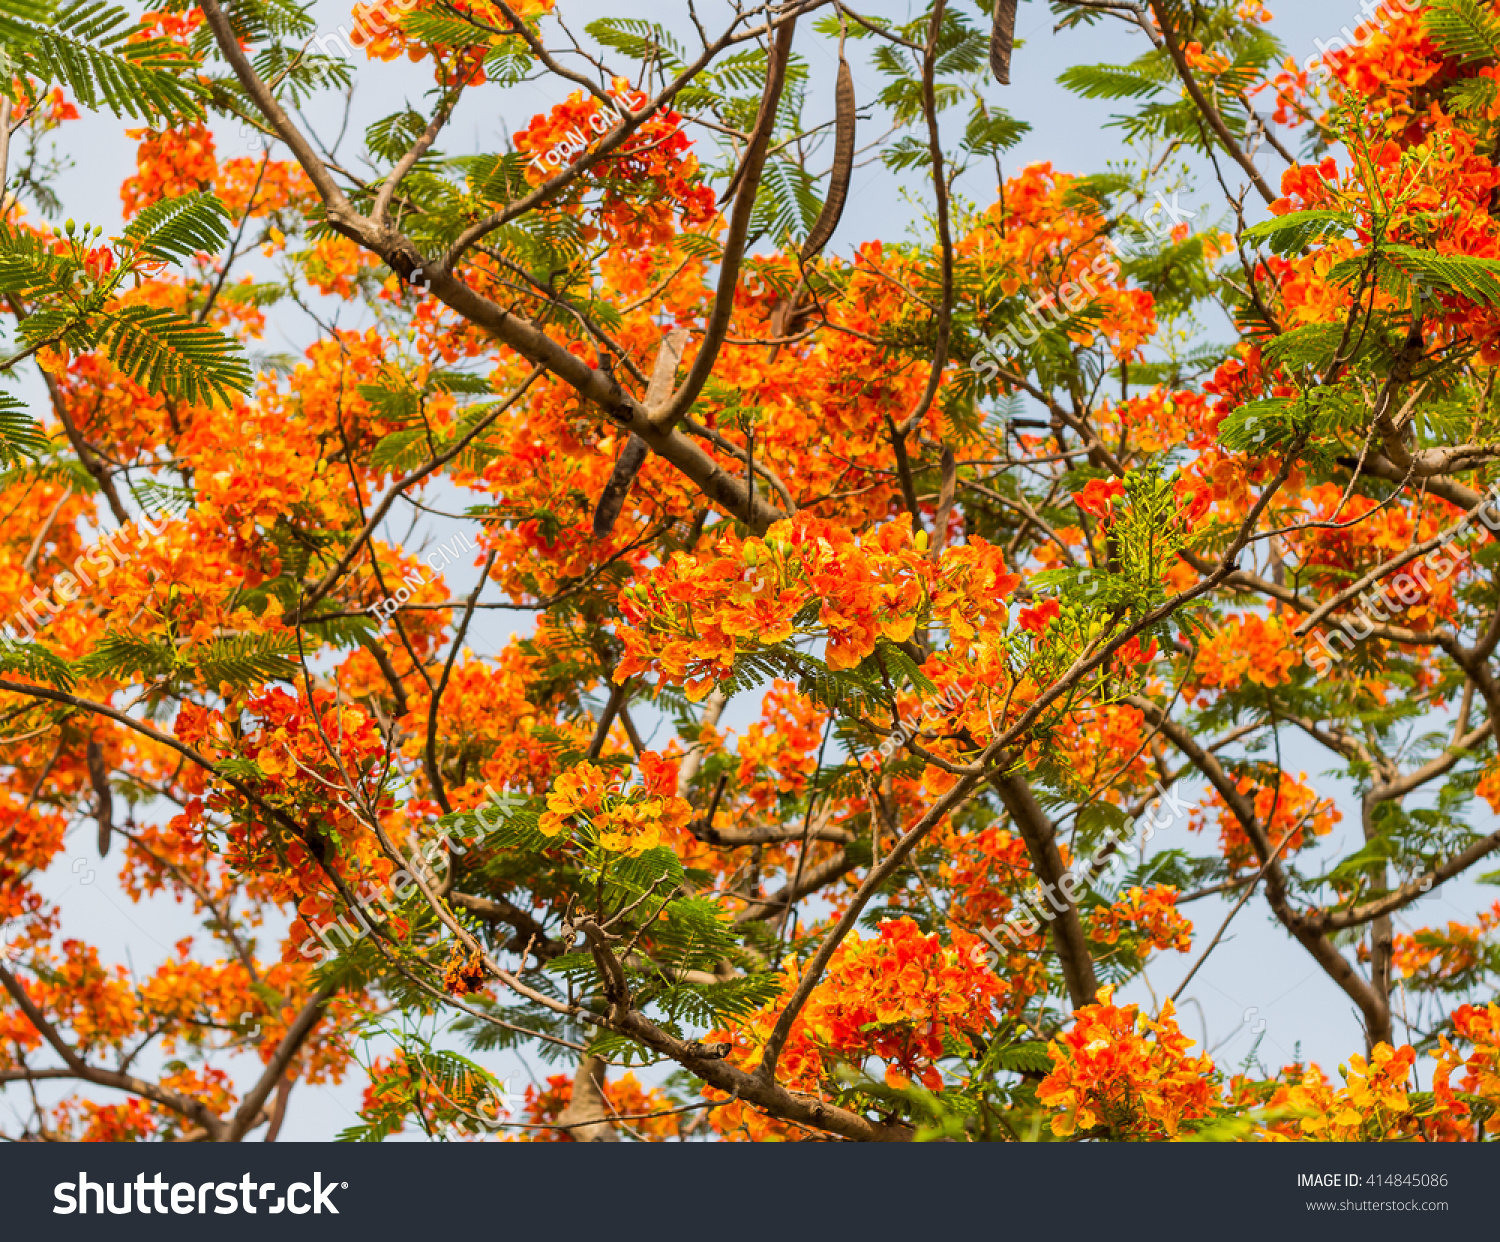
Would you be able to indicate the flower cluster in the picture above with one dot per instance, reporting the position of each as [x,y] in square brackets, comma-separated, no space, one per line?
[1148,916]
[622,823]
[650,181]
[687,619]
[1371,1106]
[903,998]
[1299,816]
[647,1113]
[1121,1075]
[1481,1068]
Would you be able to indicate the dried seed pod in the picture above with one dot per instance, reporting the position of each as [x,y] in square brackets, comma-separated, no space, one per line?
[633,455]
[790,312]
[1002,40]
[105,802]
[843,164]
[775,76]
[946,492]
[612,498]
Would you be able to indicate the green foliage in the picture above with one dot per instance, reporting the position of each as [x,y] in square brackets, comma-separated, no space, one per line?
[1110,81]
[175,229]
[36,662]
[1471,97]
[989,133]
[1463,29]
[1290,233]
[123,655]
[1028,1058]
[640,40]
[167,353]
[1259,426]
[100,53]
[157,497]
[160,349]
[247,659]
[21,438]
[391,137]
[787,202]
[1471,275]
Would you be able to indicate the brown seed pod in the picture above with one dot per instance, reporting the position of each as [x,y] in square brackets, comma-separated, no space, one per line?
[633,456]
[775,76]
[1002,40]
[843,164]
[104,801]
[612,498]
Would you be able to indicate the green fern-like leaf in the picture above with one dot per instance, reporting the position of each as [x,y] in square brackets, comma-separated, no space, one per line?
[1312,345]
[401,451]
[1463,29]
[1029,1057]
[461,382]
[20,436]
[175,229]
[29,265]
[103,56]
[157,497]
[123,655]
[1474,277]
[1108,82]
[699,246]
[639,40]
[248,659]
[395,403]
[988,134]
[787,203]
[1289,233]
[169,354]
[905,153]
[1470,96]
[451,28]
[1258,426]
[391,137]
[36,662]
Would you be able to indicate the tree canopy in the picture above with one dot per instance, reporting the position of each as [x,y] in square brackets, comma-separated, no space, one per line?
[912,634]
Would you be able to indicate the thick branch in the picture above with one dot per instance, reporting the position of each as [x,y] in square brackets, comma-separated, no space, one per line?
[1309,935]
[1040,836]
[1204,105]
[296,1035]
[735,239]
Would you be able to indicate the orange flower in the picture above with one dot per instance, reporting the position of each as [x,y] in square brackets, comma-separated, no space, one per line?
[1372,1106]
[1037,619]
[901,997]
[1099,495]
[1118,1074]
